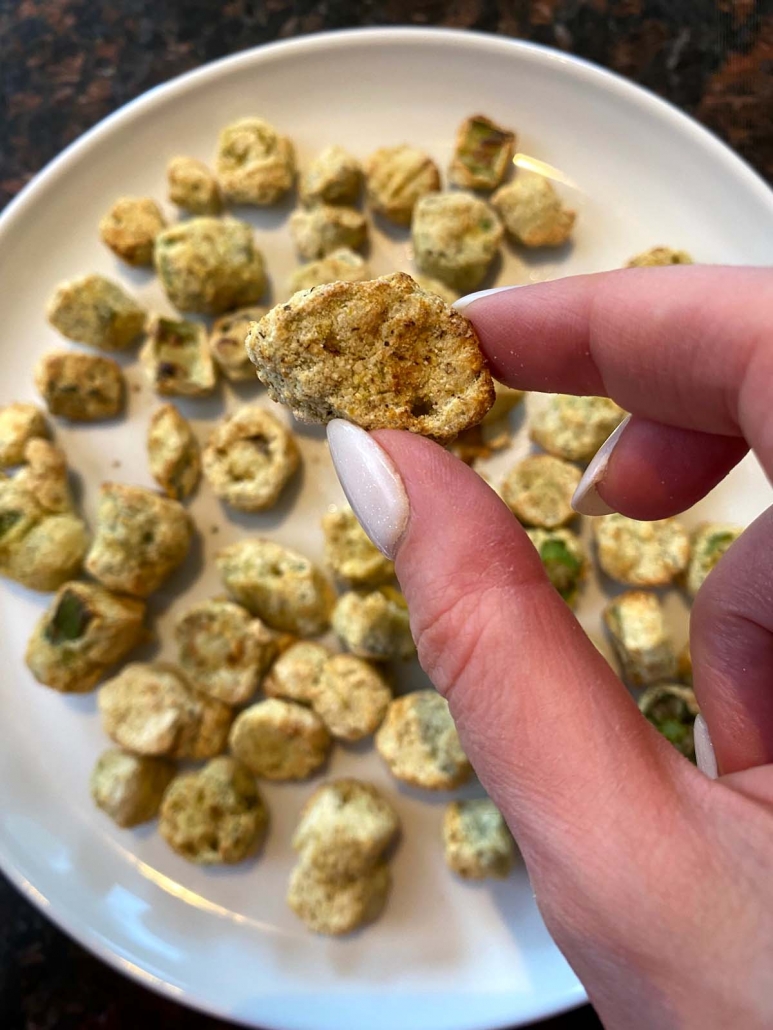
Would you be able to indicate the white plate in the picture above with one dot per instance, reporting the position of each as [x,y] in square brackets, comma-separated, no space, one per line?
[445,955]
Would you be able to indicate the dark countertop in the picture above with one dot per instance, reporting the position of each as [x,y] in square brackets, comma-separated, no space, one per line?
[65,64]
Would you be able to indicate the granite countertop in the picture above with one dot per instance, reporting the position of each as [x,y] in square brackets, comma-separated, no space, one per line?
[65,64]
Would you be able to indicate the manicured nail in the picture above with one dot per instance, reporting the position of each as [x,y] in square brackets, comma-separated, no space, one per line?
[464,302]
[371,483]
[704,749]
[587,500]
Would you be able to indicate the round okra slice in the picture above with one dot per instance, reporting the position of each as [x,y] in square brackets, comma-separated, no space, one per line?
[337,907]
[351,697]
[476,840]
[539,491]
[456,236]
[564,557]
[672,710]
[342,265]
[227,343]
[333,177]
[396,178]
[255,164]
[374,625]
[709,542]
[483,154]
[660,256]
[173,453]
[193,187]
[575,427]
[419,743]
[177,360]
[320,230]
[296,671]
[349,553]
[533,212]
[19,423]
[641,554]
[280,740]
[81,387]
[636,624]
[130,229]
[96,311]
[129,788]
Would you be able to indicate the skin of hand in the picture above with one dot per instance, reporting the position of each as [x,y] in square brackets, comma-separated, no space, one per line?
[653,878]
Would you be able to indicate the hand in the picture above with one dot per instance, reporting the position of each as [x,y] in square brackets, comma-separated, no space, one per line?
[654,879]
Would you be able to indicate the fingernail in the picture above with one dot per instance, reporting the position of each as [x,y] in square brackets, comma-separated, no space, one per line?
[464,302]
[371,483]
[587,500]
[704,749]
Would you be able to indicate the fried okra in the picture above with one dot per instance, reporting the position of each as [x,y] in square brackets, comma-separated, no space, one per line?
[341,266]
[141,539]
[476,840]
[96,311]
[81,387]
[177,360]
[672,710]
[215,815]
[430,285]
[280,740]
[419,743]
[295,672]
[320,230]
[456,236]
[374,625]
[333,177]
[151,709]
[709,542]
[42,539]
[223,650]
[660,256]
[19,423]
[641,554]
[250,458]
[563,555]
[210,265]
[254,163]
[349,554]
[129,788]
[539,491]
[382,354]
[637,627]
[506,399]
[83,634]
[396,178]
[130,229]
[533,212]
[575,427]
[280,586]
[173,453]
[192,186]
[483,154]
[333,907]
[226,343]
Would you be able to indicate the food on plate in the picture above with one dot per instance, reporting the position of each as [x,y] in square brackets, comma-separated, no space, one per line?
[374,624]
[341,265]
[192,186]
[476,841]
[637,628]
[563,555]
[430,285]
[280,740]
[177,360]
[506,399]
[19,423]
[533,212]
[279,585]
[381,354]
[96,311]
[396,178]
[333,177]
[709,542]
[483,154]
[320,230]
[81,387]
[575,427]
[141,538]
[456,237]
[129,788]
[85,631]
[226,343]
[672,710]
[210,265]
[641,554]
[539,491]
[215,815]
[250,458]
[684,665]
[173,453]
[334,907]
[130,229]
[255,164]
[349,554]
[658,256]
[419,743]
[223,650]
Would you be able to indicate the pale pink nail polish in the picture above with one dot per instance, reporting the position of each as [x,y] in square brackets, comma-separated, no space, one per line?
[587,500]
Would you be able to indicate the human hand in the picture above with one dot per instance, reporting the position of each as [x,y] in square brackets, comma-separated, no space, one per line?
[653,878]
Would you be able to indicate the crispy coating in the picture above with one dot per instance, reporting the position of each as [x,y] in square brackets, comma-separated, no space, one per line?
[396,178]
[335,908]
[419,743]
[476,840]
[141,539]
[96,311]
[533,212]
[280,740]
[320,230]
[210,265]
[637,628]
[177,360]
[130,229]
[351,697]
[659,256]
[456,236]
[129,788]
[563,555]
[333,177]
[19,423]
[227,343]
[85,631]
[641,554]
[193,187]
[684,665]
[482,155]
[223,650]
[382,354]
[81,387]
[214,816]
[430,285]
[296,671]
[672,710]
[254,163]
[506,399]
[250,458]
[341,266]
[173,452]
[349,554]
[374,625]
[575,427]
[539,490]
[709,542]
[151,709]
